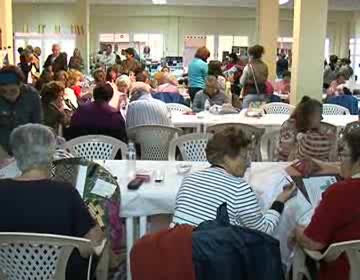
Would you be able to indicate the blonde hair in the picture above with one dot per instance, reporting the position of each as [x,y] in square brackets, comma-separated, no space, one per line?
[74,76]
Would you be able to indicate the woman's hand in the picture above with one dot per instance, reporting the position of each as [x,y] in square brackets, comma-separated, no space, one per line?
[287,193]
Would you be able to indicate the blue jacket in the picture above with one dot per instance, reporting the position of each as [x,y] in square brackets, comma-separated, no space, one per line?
[225,252]
[169,97]
[346,101]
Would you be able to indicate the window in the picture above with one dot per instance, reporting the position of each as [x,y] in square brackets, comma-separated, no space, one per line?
[285,43]
[154,41]
[355,55]
[226,42]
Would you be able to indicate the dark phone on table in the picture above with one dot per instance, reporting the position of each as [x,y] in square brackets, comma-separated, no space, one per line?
[135,184]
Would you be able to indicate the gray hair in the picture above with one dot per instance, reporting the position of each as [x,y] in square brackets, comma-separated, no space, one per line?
[33,145]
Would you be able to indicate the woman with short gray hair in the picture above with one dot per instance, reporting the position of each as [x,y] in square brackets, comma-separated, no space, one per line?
[33,146]
[33,203]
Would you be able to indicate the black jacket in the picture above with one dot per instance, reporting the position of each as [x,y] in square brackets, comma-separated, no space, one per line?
[60,63]
[225,252]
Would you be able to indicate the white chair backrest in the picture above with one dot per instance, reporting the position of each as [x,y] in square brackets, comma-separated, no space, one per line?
[191,146]
[332,109]
[96,147]
[269,144]
[350,248]
[279,108]
[154,140]
[175,107]
[37,256]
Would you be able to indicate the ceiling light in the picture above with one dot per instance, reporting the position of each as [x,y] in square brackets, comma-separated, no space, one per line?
[159,2]
[282,2]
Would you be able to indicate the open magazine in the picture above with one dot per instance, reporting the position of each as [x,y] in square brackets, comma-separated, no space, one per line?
[311,189]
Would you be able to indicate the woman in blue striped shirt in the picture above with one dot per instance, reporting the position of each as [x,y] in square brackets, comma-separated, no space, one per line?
[203,192]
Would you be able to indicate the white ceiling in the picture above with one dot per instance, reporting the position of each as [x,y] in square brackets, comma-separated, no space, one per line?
[333,4]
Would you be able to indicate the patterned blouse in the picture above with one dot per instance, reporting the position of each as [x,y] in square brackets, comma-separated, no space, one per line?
[319,144]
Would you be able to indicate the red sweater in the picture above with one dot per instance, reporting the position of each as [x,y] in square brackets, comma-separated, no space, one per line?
[164,255]
[337,219]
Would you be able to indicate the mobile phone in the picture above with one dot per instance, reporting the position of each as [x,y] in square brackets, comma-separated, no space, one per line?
[135,184]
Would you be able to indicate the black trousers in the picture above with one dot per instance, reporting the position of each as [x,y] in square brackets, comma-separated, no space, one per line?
[193,91]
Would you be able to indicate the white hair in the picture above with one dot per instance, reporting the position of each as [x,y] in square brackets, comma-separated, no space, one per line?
[124,78]
[33,145]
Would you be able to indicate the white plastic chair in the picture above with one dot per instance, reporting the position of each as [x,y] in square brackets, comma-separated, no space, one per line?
[269,143]
[38,256]
[154,140]
[350,248]
[96,147]
[332,109]
[278,108]
[253,133]
[175,107]
[191,146]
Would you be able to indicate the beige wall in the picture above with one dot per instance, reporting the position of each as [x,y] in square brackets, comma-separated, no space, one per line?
[173,21]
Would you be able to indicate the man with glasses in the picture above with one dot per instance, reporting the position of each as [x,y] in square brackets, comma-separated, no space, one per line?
[19,103]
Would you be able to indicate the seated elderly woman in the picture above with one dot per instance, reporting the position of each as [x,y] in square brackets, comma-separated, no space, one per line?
[166,83]
[98,117]
[304,136]
[52,99]
[145,110]
[201,193]
[211,94]
[123,84]
[337,217]
[47,206]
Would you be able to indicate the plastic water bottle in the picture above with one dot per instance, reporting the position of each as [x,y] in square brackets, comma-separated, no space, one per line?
[131,157]
[228,93]
[207,105]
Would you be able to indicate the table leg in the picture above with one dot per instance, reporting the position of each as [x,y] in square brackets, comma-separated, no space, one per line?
[129,243]
[143,226]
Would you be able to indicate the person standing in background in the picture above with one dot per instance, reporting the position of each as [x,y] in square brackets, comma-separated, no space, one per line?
[131,63]
[254,77]
[57,60]
[108,59]
[76,61]
[198,72]
[331,71]
[19,103]
[346,69]
[282,66]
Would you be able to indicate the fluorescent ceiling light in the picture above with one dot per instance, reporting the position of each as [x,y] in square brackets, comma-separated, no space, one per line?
[159,2]
[281,2]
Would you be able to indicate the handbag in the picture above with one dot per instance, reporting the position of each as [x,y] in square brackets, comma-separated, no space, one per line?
[244,88]
[253,73]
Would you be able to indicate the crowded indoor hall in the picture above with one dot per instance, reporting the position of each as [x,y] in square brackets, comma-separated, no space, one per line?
[180,139]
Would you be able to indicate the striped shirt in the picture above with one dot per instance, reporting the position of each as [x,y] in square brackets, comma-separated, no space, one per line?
[147,112]
[202,192]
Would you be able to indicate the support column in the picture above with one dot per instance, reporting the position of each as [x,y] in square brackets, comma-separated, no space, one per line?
[83,34]
[268,32]
[310,24]
[6,27]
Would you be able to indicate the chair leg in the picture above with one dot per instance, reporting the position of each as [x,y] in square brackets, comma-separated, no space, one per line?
[299,266]
[129,243]
[102,270]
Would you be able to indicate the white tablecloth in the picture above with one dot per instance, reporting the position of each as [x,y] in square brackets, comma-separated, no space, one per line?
[269,121]
[267,179]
